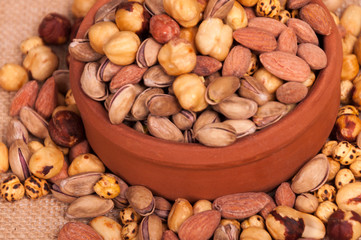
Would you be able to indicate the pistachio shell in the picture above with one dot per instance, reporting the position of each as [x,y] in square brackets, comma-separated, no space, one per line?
[120,201]
[206,117]
[81,50]
[141,199]
[154,7]
[163,128]
[121,103]
[35,124]
[235,107]
[61,78]
[90,85]
[107,70]
[157,77]
[216,135]
[147,53]
[162,105]
[19,155]
[58,194]
[16,130]
[221,88]
[107,10]
[242,127]
[184,119]
[88,207]
[253,89]
[162,207]
[218,8]
[150,228]
[269,113]
[79,185]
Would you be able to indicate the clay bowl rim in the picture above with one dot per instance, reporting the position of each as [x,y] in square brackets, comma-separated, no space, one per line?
[265,138]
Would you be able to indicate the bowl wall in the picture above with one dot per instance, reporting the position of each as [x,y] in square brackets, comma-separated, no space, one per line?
[258,162]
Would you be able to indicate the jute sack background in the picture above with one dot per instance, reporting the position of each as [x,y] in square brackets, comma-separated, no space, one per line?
[33,219]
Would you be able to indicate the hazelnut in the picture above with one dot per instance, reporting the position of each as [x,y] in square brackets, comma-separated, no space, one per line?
[30,43]
[237,17]
[128,215]
[334,168]
[11,189]
[107,187]
[34,146]
[100,33]
[46,162]
[85,163]
[36,187]
[357,49]
[177,57]
[189,34]
[80,8]
[201,206]
[350,67]
[131,16]
[66,129]
[270,81]
[347,127]
[12,77]
[355,167]
[186,12]
[54,29]
[329,147]
[50,143]
[351,19]
[180,211]
[163,28]
[348,42]
[122,47]
[41,62]
[344,225]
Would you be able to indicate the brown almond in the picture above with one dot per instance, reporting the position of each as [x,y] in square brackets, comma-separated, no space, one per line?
[130,74]
[200,226]
[313,55]
[241,205]
[284,195]
[255,39]
[267,24]
[237,62]
[287,41]
[296,4]
[206,65]
[304,32]
[25,96]
[285,66]
[47,98]
[291,92]
[78,230]
[317,17]
[169,235]
[268,208]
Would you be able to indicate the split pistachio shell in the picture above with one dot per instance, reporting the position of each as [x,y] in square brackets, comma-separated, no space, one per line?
[79,185]
[312,175]
[235,107]
[184,119]
[216,135]
[19,155]
[162,105]
[16,130]
[33,122]
[218,8]
[4,158]
[253,89]
[93,88]
[206,117]
[120,201]
[89,206]
[269,113]
[107,9]
[58,194]
[46,163]
[154,7]
[189,136]
[157,77]
[150,228]
[306,202]
[121,103]
[107,70]
[139,109]
[147,53]
[227,230]
[221,88]
[242,127]
[163,128]
[81,50]
[141,199]
[162,207]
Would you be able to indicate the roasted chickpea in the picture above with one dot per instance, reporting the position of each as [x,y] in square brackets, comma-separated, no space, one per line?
[268,8]
[344,177]
[80,8]
[334,168]
[85,163]
[326,192]
[107,187]
[325,209]
[350,67]
[11,189]
[36,187]
[348,43]
[46,162]
[283,16]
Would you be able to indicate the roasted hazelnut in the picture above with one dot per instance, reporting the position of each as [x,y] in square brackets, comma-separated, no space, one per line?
[46,162]
[122,47]
[351,19]
[41,62]
[54,29]
[344,225]
[270,81]
[347,127]
[237,17]
[350,67]
[201,206]
[189,34]
[356,95]
[107,187]
[163,28]
[325,209]
[66,129]
[357,49]
[36,187]
[80,8]
[30,43]
[344,177]
[268,8]
[100,33]
[334,168]
[11,189]
[186,12]
[346,91]
[131,16]
[177,57]
[190,91]
[128,215]
[12,77]
[34,146]
[326,192]
[85,163]
[69,98]
[348,42]
[214,38]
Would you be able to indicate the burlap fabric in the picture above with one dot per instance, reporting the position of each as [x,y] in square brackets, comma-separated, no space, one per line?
[28,219]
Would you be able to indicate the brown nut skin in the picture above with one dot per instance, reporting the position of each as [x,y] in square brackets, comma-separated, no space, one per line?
[11,189]
[131,16]
[54,29]
[347,128]
[66,129]
[344,225]
[163,28]
[78,149]
[73,230]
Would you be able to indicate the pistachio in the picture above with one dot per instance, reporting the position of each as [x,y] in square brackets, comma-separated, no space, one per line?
[85,163]
[81,50]
[154,7]
[180,211]
[46,162]
[79,185]
[221,88]
[58,194]
[157,77]
[189,136]
[19,155]
[184,119]
[269,113]
[306,202]
[163,128]
[104,11]
[312,175]
[235,107]
[150,228]
[162,207]
[218,8]
[139,109]
[121,103]
[216,135]
[206,117]
[147,53]
[243,127]
[107,70]
[252,89]
[227,230]
[90,85]
[16,130]
[162,105]
[141,199]
[88,207]
[35,124]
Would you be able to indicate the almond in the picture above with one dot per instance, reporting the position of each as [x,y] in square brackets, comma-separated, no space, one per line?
[128,74]
[268,208]
[304,32]
[313,55]
[26,96]
[291,92]
[267,24]
[237,62]
[47,98]
[317,17]
[200,226]
[285,66]
[241,205]
[78,230]
[169,235]
[296,4]
[255,39]
[284,195]
[287,41]
[206,65]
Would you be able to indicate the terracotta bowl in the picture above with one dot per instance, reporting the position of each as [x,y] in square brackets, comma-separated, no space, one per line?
[258,162]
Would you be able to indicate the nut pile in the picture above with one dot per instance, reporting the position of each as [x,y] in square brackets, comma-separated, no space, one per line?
[201,71]
[321,201]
